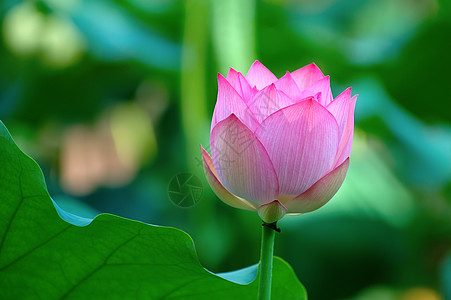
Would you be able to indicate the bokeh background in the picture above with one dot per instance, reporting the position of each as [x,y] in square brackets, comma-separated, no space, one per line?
[113,98]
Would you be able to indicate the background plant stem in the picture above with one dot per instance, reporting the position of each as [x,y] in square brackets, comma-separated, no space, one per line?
[266,259]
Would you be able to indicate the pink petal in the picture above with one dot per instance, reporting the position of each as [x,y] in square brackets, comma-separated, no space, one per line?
[240,84]
[230,102]
[232,78]
[268,101]
[260,76]
[319,193]
[339,108]
[242,163]
[321,86]
[306,76]
[287,85]
[301,140]
[220,191]
[344,149]
[248,91]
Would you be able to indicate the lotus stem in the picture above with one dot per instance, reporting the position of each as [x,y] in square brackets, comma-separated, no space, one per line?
[266,259]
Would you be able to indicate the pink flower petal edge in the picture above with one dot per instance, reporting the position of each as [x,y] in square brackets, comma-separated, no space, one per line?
[302,141]
[306,76]
[287,85]
[233,78]
[259,76]
[268,101]
[345,147]
[321,86]
[223,194]
[319,193]
[242,163]
[230,102]
[339,108]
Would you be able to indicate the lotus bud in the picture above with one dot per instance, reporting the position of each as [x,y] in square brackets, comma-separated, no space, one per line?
[278,145]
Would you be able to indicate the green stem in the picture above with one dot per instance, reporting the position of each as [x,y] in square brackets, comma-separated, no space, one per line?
[264,288]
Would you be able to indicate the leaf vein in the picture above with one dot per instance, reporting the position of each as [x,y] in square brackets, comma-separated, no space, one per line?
[14,213]
[35,247]
[103,264]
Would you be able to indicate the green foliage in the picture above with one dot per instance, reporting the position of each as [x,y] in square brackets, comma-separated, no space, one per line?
[43,256]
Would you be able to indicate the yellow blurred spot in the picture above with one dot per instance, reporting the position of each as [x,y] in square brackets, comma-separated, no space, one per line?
[54,37]
[23,27]
[133,134]
[62,44]
[420,293]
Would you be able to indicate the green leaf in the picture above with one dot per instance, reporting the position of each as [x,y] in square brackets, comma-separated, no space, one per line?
[43,256]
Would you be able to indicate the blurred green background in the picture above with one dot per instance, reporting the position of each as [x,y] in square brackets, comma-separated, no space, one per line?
[113,98]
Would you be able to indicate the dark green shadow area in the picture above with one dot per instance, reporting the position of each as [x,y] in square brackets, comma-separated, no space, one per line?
[45,257]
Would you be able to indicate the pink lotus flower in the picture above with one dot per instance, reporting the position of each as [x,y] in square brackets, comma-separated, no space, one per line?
[279,145]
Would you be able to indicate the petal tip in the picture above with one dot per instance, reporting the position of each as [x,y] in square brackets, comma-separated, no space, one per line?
[313,66]
[220,76]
